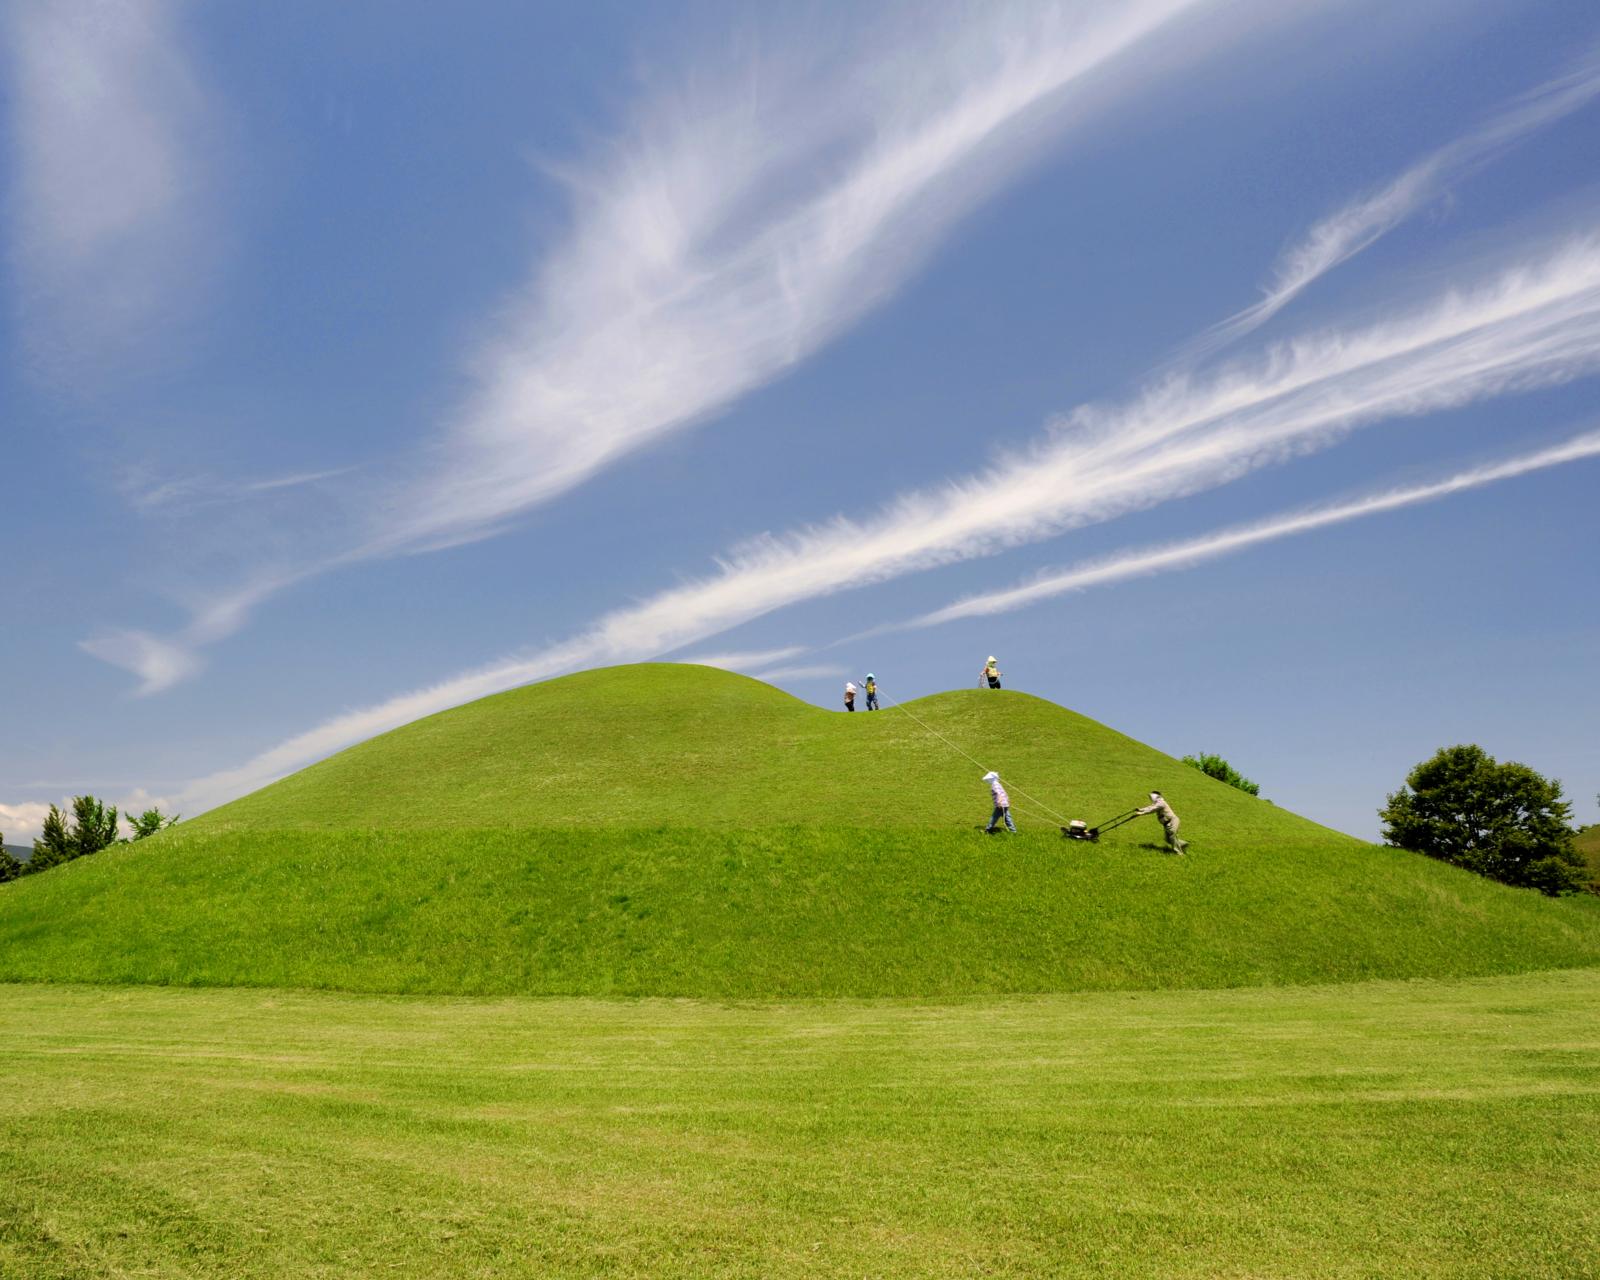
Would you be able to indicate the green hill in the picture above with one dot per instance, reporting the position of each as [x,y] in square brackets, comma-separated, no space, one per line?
[1588,847]
[680,830]
[673,745]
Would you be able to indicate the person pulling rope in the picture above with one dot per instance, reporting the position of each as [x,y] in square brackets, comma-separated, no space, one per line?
[1002,804]
[932,732]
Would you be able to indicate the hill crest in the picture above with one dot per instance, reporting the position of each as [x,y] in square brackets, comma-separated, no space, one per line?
[664,744]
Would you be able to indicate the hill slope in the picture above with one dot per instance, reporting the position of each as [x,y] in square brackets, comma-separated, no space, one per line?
[678,830]
[1588,847]
[665,744]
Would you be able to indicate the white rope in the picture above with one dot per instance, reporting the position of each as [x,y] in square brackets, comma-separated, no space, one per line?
[985,768]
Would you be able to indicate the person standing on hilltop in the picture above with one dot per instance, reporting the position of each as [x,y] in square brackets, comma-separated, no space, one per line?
[1169,821]
[991,672]
[1002,805]
[872,692]
[849,695]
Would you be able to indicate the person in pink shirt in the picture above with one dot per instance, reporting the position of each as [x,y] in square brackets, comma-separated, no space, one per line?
[1002,805]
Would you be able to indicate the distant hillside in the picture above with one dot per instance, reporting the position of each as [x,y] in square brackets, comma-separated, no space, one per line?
[678,830]
[1588,844]
[21,852]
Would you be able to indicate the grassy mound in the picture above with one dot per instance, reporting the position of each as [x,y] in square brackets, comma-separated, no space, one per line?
[1588,846]
[677,830]
[661,744]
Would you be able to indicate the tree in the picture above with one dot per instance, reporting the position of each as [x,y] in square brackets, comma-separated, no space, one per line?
[1216,767]
[149,822]
[53,845]
[93,828]
[1503,821]
[10,868]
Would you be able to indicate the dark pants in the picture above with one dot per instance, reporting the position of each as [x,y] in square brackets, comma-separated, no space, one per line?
[872,702]
[994,682]
[849,704]
[999,813]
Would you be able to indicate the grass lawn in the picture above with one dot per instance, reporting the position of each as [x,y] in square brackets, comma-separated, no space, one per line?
[1422,1128]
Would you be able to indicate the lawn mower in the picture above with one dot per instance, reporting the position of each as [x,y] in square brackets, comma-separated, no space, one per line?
[1078,830]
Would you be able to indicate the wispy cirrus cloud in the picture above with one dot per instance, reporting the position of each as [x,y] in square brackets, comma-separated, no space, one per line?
[1346,232]
[1535,323]
[746,659]
[160,662]
[728,238]
[188,492]
[111,196]
[157,662]
[1191,552]
[733,230]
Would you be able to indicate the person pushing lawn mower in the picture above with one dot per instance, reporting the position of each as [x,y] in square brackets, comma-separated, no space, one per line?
[1169,821]
[1158,805]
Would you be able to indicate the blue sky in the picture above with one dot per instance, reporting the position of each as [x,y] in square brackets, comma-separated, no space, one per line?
[1227,369]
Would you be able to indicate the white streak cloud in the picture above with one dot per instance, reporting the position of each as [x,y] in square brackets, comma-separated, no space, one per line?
[159,663]
[745,660]
[731,233]
[727,240]
[1191,552]
[1535,324]
[1343,234]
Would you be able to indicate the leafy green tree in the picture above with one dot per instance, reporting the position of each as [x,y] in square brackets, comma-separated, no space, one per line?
[1503,821]
[149,822]
[10,868]
[94,826]
[53,845]
[1214,766]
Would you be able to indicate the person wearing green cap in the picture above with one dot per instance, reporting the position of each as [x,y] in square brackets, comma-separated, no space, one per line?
[871,686]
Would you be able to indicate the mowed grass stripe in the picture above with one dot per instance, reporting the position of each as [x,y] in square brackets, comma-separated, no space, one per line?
[1420,1129]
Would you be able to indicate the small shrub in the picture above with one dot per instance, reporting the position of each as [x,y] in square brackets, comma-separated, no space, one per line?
[149,822]
[1214,766]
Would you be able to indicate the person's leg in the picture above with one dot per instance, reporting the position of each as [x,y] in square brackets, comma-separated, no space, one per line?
[995,818]
[1010,825]
[1174,844]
